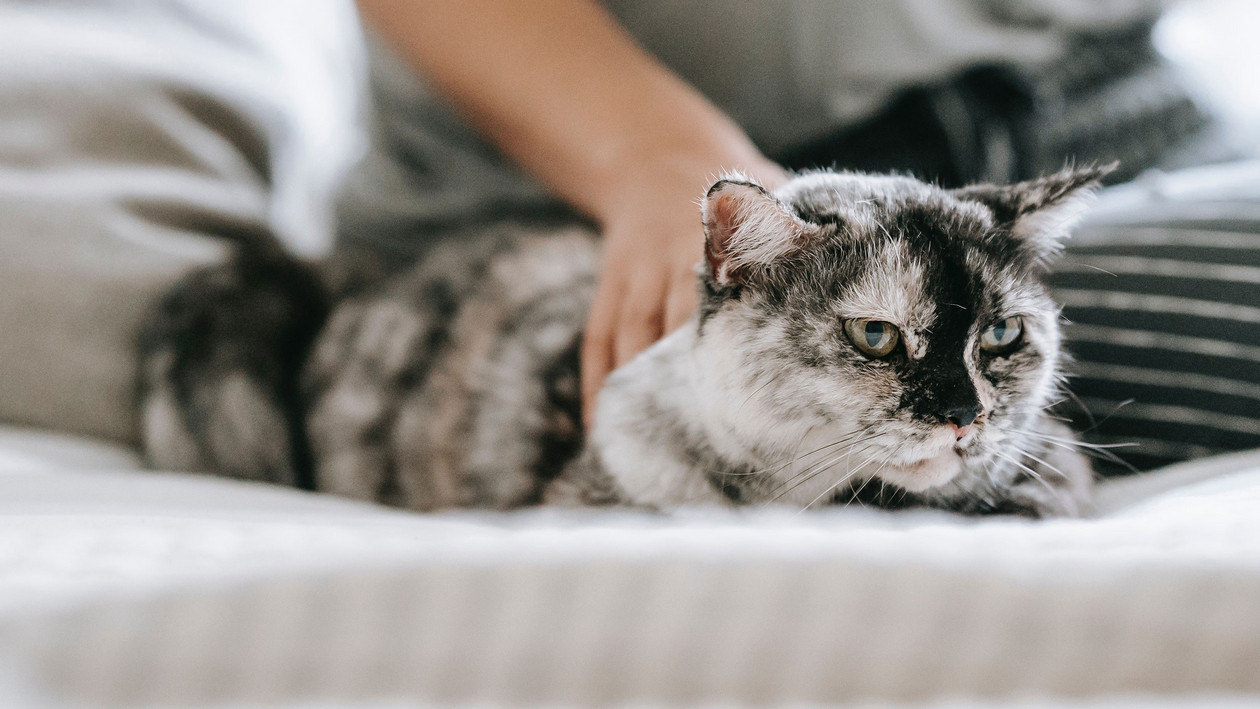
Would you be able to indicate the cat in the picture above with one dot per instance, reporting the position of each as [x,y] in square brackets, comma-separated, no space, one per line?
[868,338]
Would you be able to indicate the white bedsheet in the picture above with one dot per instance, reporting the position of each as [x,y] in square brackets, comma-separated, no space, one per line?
[128,588]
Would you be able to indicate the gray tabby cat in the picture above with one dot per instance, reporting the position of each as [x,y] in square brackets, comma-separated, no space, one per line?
[860,337]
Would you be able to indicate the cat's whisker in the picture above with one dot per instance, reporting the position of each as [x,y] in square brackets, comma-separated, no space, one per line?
[1103,455]
[1077,400]
[843,439]
[796,450]
[1111,413]
[857,493]
[811,471]
[988,474]
[772,471]
[1094,423]
[1099,451]
[1075,444]
[904,494]
[755,392]
[1035,475]
[820,468]
[987,500]
[1047,465]
[840,482]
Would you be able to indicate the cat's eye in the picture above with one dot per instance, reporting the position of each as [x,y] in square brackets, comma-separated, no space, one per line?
[1003,335]
[874,338]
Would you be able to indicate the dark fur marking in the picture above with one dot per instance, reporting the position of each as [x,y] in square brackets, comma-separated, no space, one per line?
[562,440]
[255,315]
[819,218]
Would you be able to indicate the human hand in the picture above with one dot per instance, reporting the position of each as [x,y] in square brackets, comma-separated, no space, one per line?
[653,239]
[567,94]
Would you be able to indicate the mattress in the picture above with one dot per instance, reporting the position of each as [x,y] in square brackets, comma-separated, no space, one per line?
[123,587]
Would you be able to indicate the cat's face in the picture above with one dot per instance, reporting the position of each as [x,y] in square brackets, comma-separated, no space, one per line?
[903,328]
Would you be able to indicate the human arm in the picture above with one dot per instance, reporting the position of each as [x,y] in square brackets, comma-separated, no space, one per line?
[565,92]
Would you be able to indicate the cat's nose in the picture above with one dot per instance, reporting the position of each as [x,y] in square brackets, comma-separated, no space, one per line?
[960,418]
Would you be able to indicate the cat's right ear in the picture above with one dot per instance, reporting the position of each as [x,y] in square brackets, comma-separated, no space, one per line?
[1040,213]
[746,229]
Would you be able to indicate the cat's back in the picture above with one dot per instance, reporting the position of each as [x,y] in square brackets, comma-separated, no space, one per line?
[454,382]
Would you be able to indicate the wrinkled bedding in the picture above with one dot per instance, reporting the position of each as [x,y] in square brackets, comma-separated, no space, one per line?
[132,588]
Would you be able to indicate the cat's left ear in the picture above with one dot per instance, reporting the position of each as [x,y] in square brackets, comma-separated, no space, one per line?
[1040,213]
[746,230]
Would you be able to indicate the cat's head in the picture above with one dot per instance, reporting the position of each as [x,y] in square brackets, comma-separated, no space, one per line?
[907,325]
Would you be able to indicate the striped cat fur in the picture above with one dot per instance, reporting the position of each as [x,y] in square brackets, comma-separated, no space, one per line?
[453,381]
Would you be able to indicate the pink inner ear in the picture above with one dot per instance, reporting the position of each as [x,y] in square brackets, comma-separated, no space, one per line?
[722,220]
[747,229]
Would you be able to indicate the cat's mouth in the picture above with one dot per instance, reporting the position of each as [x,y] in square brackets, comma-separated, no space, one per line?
[925,473]
[922,473]
[914,468]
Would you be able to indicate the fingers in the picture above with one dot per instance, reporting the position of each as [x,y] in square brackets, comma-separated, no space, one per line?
[641,323]
[597,345]
[622,324]
[646,289]
[681,302]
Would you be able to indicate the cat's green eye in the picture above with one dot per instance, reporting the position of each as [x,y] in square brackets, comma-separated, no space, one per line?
[1003,335]
[874,338]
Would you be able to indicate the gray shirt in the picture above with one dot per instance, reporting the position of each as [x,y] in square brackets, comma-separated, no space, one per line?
[785,70]
[791,70]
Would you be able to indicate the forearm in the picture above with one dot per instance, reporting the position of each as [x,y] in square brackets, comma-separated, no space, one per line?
[567,94]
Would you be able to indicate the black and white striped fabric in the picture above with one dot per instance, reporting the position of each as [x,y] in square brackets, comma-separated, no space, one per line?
[1161,288]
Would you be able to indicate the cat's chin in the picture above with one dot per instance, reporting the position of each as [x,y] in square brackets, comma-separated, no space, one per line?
[926,473]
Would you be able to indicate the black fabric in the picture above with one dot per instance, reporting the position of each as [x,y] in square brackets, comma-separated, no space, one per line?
[1114,100]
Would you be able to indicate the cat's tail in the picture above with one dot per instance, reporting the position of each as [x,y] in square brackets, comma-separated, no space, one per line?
[220,364]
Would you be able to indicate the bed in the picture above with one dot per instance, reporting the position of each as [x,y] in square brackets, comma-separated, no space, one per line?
[124,587]
[130,588]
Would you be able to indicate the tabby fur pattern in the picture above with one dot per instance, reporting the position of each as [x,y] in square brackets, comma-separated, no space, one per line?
[453,382]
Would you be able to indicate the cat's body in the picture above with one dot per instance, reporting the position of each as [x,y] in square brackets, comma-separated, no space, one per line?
[455,383]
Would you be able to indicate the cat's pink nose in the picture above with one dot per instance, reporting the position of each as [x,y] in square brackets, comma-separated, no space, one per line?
[960,431]
[962,416]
